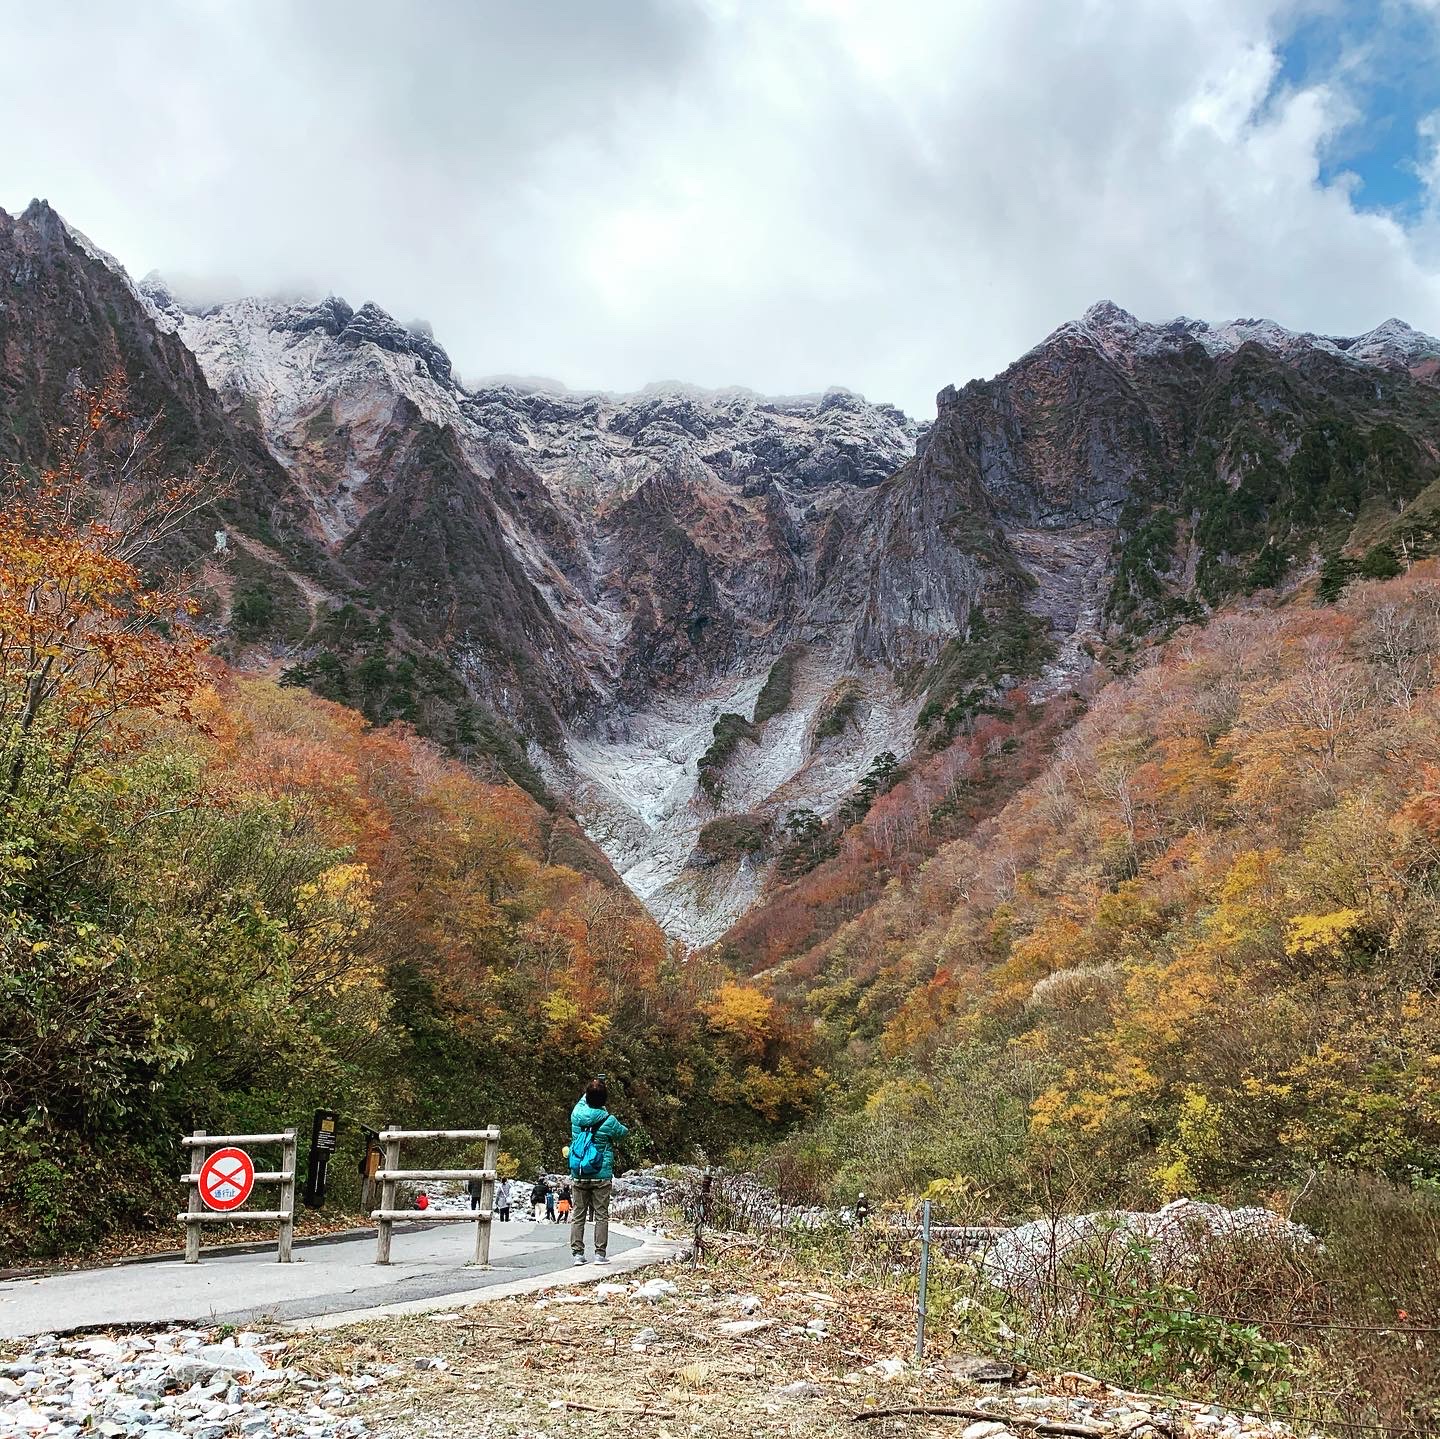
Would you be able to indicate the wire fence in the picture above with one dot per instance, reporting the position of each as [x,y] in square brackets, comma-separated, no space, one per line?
[1276,1325]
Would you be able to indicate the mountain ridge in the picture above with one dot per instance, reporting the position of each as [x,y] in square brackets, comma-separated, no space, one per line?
[612,579]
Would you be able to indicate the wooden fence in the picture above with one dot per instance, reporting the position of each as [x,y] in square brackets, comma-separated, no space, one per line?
[197,1215]
[392,1174]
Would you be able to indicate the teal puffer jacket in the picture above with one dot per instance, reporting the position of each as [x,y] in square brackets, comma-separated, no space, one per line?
[607,1130]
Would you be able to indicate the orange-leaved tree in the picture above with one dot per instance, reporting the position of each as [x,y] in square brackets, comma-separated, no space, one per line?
[87,630]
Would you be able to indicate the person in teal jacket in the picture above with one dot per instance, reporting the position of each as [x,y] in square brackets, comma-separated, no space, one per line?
[592,1196]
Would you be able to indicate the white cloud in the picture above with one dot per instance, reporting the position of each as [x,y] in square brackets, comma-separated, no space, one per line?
[887,195]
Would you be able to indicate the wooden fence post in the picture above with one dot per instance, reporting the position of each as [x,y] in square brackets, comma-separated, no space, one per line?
[487,1199]
[387,1199]
[287,1196]
[192,1231]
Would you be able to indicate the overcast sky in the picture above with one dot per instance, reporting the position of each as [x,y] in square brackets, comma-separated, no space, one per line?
[785,194]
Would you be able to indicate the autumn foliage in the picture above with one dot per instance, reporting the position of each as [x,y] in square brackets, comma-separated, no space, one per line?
[1196,954]
[86,631]
[224,903]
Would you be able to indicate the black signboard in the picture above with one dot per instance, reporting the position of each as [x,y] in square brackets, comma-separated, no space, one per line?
[322,1145]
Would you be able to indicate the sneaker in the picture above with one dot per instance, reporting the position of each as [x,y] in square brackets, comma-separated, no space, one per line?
[601,1259]
[580,1259]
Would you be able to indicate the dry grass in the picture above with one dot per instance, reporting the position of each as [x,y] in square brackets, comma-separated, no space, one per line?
[511,1362]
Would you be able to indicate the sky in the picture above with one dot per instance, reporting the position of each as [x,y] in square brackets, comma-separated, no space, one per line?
[891,195]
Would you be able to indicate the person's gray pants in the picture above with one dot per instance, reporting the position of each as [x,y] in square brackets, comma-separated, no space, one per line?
[591,1198]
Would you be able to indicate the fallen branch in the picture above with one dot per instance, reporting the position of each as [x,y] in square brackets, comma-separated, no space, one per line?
[628,1413]
[524,1336]
[956,1411]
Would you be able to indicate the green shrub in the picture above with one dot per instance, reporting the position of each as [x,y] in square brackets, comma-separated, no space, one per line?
[1000,649]
[732,836]
[1336,572]
[1381,563]
[838,709]
[729,730]
[776,692]
[253,611]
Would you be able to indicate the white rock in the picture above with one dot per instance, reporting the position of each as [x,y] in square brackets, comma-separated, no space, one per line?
[237,1361]
[738,1327]
[654,1290]
[800,1389]
[886,1369]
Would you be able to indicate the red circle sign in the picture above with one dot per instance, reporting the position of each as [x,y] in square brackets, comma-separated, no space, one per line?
[226,1179]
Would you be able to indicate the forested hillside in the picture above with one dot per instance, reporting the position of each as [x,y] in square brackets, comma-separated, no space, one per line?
[224,902]
[1197,954]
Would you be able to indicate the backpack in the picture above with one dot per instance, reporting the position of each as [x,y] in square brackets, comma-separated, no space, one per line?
[587,1159]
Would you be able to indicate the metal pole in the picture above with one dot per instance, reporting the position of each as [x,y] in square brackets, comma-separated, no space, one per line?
[287,1196]
[487,1201]
[387,1201]
[192,1229]
[702,1212]
[924,1282]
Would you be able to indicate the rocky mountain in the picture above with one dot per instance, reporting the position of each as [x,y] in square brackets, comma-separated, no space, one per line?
[614,573]
[1145,473]
[689,613]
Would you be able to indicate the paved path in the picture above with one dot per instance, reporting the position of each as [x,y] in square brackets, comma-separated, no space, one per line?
[325,1279]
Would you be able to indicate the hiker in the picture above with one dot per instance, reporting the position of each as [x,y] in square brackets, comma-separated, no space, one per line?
[550,1202]
[537,1197]
[502,1200]
[593,1132]
[476,1190]
[562,1207]
[422,1200]
[862,1208]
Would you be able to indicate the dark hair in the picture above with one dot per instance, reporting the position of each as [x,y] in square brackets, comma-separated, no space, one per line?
[596,1095]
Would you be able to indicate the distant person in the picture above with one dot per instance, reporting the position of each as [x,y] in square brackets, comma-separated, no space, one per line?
[562,1204]
[550,1202]
[538,1191]
[502,1200]
[476,1190]
[593,1132]
[422,1200]
[862,1208]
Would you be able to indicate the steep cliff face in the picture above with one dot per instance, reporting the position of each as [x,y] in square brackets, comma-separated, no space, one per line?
[616,573]
[690,612]
[1123,478]
[1196,461]
[69,315]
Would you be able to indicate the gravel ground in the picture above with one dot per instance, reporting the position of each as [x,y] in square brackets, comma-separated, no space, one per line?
[177,1382]
[742,1347]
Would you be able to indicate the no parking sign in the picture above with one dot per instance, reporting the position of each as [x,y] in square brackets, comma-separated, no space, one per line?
[226,1179]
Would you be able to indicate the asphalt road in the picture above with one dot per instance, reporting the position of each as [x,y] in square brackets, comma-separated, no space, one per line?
[325,1278]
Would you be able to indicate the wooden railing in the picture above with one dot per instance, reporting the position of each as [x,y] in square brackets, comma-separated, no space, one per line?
[196,1215]
[392,1175]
